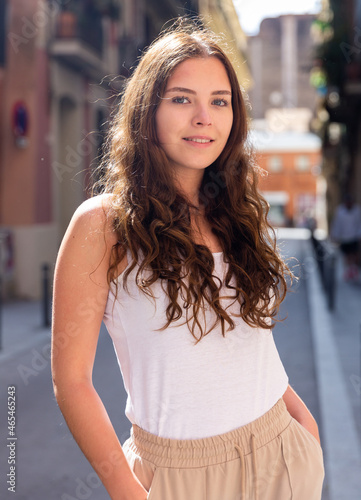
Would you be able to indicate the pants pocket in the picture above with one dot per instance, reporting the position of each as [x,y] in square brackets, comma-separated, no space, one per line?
[153,487]
[308,436]
[143,469]
[304,459]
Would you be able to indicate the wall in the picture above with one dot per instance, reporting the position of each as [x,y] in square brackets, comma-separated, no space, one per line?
[280,58]
[293,183]
[25,188]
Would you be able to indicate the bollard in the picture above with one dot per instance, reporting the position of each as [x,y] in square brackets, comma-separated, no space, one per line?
[1,297]
[45,295]
[1,305]
[331,281]
[326,260]
[321,259]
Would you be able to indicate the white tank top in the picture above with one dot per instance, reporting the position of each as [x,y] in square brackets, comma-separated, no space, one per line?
[180,390]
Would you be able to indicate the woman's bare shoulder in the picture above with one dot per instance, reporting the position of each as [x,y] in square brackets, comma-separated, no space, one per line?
[95,216]
[98,206]
[88,242]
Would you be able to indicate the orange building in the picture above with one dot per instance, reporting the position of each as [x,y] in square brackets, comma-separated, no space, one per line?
[292,183]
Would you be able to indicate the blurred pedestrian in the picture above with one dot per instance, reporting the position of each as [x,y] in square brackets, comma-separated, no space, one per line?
[346,231]
[177,256]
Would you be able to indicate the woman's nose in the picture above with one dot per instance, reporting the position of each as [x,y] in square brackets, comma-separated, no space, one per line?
[202,116]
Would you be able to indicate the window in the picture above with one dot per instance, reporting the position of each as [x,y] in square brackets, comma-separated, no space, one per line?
[275,164]
[303,163]
[278,201]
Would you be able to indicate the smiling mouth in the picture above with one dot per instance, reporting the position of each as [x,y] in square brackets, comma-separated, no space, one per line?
[200,141]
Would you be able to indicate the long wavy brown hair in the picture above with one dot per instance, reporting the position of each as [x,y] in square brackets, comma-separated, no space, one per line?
[153,220]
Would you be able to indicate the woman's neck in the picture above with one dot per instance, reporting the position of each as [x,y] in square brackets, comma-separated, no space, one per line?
[189,186]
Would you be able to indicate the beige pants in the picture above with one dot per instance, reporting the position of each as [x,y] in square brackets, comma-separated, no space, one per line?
[272,458]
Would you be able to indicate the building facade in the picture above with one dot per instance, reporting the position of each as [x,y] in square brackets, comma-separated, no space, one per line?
[283,103]
[337,78]
[280,58]
[291,181]
[290,163]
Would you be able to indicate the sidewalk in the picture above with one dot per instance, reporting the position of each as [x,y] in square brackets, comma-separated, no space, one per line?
[341,438]
[346,324]
[21,328]
[336,350]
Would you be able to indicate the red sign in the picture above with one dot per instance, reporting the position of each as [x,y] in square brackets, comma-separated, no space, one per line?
[20,119]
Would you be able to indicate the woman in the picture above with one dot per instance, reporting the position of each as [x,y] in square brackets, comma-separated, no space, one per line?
[176,256]
[346,231]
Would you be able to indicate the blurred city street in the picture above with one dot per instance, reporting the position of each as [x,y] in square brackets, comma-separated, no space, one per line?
[63,67]
[50,465]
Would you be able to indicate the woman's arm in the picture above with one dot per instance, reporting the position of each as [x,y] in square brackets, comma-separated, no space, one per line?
[80,295]
[299,411]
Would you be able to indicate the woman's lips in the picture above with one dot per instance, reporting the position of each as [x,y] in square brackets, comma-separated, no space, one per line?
[199,140]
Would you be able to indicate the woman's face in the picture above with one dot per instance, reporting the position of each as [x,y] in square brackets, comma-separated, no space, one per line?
[195,116]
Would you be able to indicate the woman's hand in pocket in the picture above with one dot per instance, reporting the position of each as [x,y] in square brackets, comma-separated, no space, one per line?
[311,426]
[299,411]
[135,491]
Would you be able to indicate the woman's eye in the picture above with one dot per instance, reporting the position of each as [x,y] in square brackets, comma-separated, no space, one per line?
[220,102]
[180,100]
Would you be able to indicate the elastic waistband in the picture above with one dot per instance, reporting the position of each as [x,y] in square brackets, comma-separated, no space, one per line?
[164,452]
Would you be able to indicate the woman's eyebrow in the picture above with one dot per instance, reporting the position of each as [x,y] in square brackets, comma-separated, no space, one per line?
[189,91]
[222,92]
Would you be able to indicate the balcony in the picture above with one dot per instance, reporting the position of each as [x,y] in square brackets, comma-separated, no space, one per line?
[78,42]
